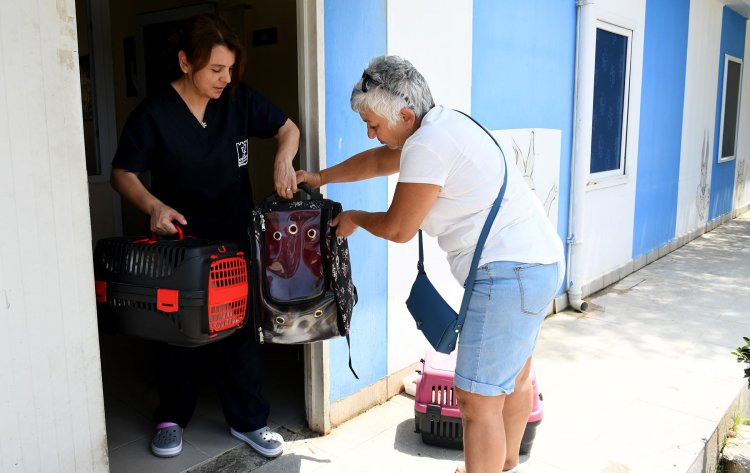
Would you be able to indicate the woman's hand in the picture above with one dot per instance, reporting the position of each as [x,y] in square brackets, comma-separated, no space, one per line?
[284,179]
[344,223]
[312,179]
[163,218]
[131,189]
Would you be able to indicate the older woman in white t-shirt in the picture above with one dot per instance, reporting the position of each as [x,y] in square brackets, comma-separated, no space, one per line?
[450,173]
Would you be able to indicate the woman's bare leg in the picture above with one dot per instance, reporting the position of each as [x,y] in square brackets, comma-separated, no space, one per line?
[484,433]
[516,413]
[494,426]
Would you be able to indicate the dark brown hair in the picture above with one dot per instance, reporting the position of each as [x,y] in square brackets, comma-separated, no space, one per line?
[201,33]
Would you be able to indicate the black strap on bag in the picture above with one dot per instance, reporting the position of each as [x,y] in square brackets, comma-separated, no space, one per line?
[274,197]
[469,283]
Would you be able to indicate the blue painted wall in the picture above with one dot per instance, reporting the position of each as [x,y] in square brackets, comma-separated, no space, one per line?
[662,99]
[523,73]
[722,174]
[355,32]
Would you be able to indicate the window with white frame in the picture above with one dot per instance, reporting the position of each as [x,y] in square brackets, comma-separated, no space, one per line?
[611,90]
[730,106]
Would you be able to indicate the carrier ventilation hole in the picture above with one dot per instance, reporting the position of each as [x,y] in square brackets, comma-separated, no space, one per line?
[311,233]
[277,236]
[292,229]
[318,313]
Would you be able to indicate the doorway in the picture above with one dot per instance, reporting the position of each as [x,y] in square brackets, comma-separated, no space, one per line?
[123,65]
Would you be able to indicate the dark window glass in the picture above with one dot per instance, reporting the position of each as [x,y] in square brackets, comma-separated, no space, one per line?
[609,100]
[731,106]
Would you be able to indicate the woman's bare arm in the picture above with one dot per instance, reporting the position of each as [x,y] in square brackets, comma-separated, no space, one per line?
[411,203]
[283,169]
[375,162]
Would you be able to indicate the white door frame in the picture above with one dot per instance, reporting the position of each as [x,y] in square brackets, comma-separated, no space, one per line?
[311,91]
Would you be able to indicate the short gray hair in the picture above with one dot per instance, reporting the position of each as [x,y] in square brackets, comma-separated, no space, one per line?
[389,84]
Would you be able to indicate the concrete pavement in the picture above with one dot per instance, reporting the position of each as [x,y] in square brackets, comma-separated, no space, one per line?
[642,382]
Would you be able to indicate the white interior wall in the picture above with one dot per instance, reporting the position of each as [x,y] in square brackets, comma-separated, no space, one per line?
[699,114]
[742,181]
[610,203]
[51,405]
[435,36]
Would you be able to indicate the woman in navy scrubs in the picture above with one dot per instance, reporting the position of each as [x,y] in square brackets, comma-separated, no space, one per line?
[192,135]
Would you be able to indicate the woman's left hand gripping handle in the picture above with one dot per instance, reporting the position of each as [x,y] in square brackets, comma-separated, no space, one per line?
[163,219]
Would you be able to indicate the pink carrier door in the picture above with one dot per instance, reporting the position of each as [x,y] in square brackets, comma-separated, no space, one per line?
[435,386]
[293,267]
[436,414]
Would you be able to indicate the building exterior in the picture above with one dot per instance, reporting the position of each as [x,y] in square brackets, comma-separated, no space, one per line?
[630,118]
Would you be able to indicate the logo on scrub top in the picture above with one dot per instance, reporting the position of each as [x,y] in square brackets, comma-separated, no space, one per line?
[241,153]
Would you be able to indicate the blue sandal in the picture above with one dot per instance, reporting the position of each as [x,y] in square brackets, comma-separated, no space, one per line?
[167,440]
[268,443]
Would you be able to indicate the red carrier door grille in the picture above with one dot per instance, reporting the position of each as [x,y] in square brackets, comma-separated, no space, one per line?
[227,294]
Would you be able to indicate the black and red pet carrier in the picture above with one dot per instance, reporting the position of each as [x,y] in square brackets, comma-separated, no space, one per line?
[184,291]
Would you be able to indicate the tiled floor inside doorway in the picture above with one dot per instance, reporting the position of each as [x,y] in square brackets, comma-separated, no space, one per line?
[130,398]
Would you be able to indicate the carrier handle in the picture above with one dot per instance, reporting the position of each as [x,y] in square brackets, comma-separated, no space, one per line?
[180,234]
[274,197]
[154,237]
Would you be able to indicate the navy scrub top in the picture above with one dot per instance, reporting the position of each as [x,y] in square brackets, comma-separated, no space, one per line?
[200,172]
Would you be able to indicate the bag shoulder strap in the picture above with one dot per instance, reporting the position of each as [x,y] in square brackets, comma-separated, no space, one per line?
[469,283]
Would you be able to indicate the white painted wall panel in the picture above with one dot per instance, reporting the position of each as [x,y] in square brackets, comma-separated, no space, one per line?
[609,209]
[435,36]
[742,190]
[536,153]
[51,405]
[699,114]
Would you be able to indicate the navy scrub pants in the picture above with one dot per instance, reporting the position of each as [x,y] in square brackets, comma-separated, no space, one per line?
[237,362]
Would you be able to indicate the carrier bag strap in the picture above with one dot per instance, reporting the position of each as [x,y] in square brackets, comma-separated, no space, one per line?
[274,197]
[469,283]
[349,344]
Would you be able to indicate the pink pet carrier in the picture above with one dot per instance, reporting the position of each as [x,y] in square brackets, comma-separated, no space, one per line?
[436,414]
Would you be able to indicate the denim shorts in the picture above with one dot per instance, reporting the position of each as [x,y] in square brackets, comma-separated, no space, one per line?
[508,304]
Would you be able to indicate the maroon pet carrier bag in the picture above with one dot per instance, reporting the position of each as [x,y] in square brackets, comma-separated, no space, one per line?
[302,278]
[185,291]
[304,289]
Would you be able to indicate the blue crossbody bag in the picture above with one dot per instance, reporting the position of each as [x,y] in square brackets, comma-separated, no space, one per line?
[434,317]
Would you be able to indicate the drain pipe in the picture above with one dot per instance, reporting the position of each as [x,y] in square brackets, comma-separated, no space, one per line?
[581,154]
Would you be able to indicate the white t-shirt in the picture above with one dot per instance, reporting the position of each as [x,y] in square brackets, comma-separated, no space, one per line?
[451,151]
